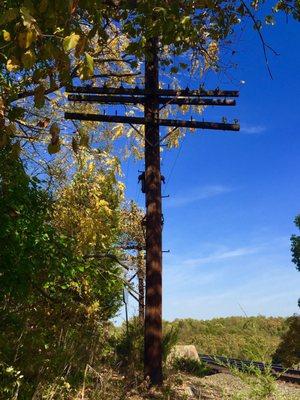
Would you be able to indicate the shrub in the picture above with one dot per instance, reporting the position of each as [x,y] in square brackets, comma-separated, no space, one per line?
[130,346]
[190,366]
[288,352]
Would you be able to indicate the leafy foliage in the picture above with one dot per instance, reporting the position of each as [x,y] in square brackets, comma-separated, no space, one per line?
[190,366]
[261,385]
[88,210]
[288,351]
[296,245]
[254,338]
[55,302]
[46,44]
[130,346]
[38,35]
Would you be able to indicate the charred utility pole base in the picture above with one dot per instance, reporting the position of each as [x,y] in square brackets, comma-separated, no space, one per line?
[152,98]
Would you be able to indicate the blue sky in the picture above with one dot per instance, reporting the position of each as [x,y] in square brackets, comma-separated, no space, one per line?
[234,196]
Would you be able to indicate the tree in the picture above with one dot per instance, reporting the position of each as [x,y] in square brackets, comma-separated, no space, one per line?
[88,209]
[42,50]
[295,248]
[132,241]
[295,240]
[56,299]
[288,352]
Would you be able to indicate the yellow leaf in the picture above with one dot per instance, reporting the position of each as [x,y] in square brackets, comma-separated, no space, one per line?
[26,38]
[6,36]
[28,59]
[89,62]
[12,64]
[118,131]
[70,42]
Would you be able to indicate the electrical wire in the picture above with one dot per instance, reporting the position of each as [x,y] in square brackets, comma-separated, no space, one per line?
[174,163]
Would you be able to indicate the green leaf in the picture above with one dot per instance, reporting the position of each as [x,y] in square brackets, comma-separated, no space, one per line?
[16,150]
[270,20]
[89,62]
[84,138]
[3,139]
[39,96]
[28,19]
[54,132]
[174,70]
[75,145]
[9,16]
[86,70]
[70,42]
[185,19]
[16,113]
[43,6]
[53,148]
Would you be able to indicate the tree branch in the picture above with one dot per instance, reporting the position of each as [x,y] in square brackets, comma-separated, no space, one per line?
[265,46]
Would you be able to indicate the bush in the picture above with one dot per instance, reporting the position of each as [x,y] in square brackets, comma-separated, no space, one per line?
[10,381]
[288,352]
[130,346]
[170,339]
[54,303]
[190,366]
[260,384]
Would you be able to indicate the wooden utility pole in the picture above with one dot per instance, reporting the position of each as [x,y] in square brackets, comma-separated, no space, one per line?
[153,221]
[152,97]
[141,285]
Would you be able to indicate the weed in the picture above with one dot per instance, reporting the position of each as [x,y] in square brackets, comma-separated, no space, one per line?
[260,383]
[190,366]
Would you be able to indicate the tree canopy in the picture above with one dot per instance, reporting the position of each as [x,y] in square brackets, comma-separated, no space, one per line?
[45,45]
[295,240]
[51,42]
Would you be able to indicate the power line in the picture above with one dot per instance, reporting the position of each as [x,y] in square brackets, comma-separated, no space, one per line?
[174,163]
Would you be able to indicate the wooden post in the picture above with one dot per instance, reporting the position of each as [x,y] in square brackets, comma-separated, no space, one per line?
[153,309]
[141,289]
[151,96]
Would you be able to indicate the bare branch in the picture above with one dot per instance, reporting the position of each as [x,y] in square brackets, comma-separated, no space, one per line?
[265,46]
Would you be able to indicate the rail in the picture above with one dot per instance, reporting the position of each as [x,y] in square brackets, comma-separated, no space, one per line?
[222,364]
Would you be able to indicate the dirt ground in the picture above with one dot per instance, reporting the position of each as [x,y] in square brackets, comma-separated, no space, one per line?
[225,387]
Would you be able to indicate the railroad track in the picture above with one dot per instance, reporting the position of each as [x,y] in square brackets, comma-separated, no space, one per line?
[222,364]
